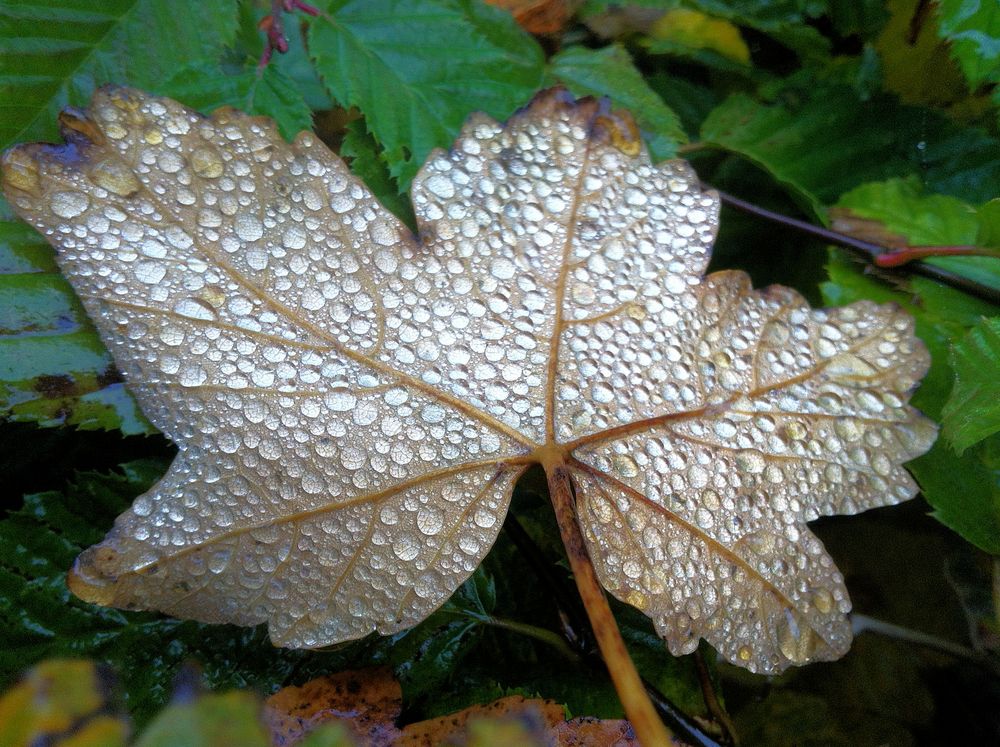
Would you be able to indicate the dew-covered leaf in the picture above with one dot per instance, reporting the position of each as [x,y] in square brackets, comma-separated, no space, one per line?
[352,402]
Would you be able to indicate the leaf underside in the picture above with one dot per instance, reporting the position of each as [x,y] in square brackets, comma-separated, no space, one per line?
[353,403]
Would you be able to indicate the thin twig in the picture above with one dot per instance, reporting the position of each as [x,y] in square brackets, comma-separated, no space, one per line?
[869,251]
[712,701]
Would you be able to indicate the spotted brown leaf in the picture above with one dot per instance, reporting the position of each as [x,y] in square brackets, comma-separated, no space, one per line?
[353,403]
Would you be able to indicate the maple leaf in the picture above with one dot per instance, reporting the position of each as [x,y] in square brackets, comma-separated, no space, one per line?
[353,404]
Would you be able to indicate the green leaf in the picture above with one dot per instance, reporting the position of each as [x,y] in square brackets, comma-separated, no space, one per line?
[973,411]
[973,28]
[818,149]
[268,92]
[928,220]
[823,142]
[213,720]
[610,72]
[53,368]
[55,53]
[417,68]
[365,161]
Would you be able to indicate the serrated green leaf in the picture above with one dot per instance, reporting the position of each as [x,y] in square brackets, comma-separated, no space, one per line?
[268,92]
[973,29]
[53,368]
[610,72]
[973,411]
[56,53]
[417,68]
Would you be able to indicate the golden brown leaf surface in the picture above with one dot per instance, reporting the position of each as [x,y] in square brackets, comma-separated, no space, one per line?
[368,703]
[352,404]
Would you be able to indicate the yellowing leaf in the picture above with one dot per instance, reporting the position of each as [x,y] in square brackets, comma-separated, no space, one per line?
[61,703]
[696,30]
[352,404]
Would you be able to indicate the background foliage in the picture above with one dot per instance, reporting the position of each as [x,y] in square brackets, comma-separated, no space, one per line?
[874,116]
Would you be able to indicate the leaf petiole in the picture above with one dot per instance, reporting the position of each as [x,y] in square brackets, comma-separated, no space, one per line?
[639,709]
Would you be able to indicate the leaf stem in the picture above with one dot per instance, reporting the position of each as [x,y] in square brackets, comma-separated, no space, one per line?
[638,708]
[874,253]
[861,623]
[532,631]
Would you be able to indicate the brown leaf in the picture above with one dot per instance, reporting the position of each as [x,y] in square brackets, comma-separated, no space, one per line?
[539,16]
[368,702]
[352,404]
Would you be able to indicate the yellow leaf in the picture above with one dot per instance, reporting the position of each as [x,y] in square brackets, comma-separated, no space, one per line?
[62,703]
[697,30]
[353,403]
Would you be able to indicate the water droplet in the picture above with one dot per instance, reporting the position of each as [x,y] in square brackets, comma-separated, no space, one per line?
[248,226]
[406,547]
[430,520]
[206,163]
[796,644]
[149,272]
[116,177]
[69,204]
[625,465]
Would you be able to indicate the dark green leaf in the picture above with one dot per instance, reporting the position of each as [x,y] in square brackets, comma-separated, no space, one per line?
[611,72]
[417,68]
[54,54]
[822,143]
[973,411]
